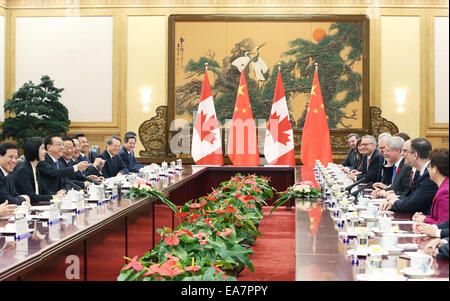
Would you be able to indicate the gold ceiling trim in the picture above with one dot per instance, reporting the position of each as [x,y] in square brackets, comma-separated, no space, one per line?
[30,4]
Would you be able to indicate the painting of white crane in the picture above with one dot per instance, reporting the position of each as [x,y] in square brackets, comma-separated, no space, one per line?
[260,68]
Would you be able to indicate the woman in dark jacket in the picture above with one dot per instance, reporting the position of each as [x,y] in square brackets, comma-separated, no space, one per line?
[27,176]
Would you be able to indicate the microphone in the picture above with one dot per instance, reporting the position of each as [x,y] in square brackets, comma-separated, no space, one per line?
[361,189]
[91,180]
[74,185]
[348,188]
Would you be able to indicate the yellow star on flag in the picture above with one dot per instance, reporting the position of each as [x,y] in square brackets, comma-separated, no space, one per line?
[315,111]
[312,90]
[244,110]
[240,91]
[321,106]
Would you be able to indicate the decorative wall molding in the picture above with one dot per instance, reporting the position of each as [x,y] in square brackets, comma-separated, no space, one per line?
[223,3]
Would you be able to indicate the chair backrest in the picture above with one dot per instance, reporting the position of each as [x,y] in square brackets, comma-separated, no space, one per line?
[93,152]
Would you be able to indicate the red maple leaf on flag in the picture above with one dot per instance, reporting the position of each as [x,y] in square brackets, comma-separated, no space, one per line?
[278,128]
[205,127]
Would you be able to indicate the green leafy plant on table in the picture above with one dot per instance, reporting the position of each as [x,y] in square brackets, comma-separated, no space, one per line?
[303,189]
[212,241]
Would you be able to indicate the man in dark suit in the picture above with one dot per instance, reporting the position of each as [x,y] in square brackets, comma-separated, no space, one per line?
[397,181]
[127,153]
[438,248]
[372,161]
[76,155]
[67,160]
[54,176]
[416,152]
[8,161]
[114,165]
[351,161]
[432,230]
[84,147]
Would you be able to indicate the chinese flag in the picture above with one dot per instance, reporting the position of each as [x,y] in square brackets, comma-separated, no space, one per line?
[279,141]
[206,141]
[242,138]
[316,143]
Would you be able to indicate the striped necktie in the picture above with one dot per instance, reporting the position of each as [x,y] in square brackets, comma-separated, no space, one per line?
[57,164]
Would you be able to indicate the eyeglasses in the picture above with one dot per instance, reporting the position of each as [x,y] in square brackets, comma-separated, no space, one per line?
[365,144]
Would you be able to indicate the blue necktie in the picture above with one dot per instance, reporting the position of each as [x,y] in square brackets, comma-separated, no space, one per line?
[57,164]
[131,160]
[393,174]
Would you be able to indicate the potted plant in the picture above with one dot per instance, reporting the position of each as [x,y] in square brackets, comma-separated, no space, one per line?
[209,243]
[36,111]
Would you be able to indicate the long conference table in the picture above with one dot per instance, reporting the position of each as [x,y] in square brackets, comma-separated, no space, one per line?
[91,245]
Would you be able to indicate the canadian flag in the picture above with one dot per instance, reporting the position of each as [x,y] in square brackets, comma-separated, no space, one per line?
[279,140]
[206,140]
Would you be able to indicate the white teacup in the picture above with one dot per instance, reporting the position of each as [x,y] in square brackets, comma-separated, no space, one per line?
[67,202]
[23,209]
[72,195]
[389,241]
[372,211]
[93,191]
[363,201]
[421,263]
[385,224]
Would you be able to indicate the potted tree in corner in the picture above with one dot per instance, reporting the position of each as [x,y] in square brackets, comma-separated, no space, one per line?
[35,111]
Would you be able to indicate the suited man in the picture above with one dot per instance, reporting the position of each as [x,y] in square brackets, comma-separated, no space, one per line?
[372,161]
[351,161]
[438,248]
[127,153]
[76,155]
[387,169]
[67,160]
[8,161]
[398,180]
[114,165]
[53,176]
[84,147]
[423,189]
[433,230]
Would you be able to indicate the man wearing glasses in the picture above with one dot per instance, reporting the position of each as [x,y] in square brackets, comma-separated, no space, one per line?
[398,180]
[372,161]
[423,190]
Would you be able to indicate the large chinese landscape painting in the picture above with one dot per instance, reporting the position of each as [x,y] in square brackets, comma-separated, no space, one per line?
[260,47]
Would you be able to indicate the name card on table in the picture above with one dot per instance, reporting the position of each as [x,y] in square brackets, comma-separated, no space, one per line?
[80,203]
[79,219]
[21,237]
[54,232]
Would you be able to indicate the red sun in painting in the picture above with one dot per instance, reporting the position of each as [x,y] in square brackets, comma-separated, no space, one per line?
[319,34]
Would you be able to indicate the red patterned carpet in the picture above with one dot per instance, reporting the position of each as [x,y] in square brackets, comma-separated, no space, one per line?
[274,258]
